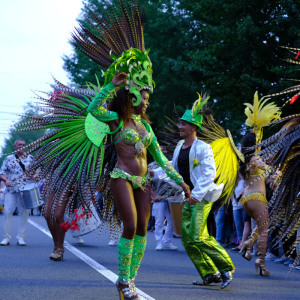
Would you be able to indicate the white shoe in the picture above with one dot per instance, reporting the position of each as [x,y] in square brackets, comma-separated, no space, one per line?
[5,242]
[159,247]
[169,246]
[112,243]
[80,240]
[21,242]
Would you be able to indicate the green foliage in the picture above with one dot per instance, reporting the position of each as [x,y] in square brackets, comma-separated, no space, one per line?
[28,136]
[226,48]
[234,50]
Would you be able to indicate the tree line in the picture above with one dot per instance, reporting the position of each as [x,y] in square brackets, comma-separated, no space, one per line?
[229,49]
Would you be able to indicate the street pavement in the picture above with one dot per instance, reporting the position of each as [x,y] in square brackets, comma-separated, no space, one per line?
[88,271]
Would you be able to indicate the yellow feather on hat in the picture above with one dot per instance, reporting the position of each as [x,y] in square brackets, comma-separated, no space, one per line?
[198,104]
[260,114]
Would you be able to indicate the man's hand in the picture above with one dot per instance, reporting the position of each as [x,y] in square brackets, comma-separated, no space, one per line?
[119,79]
[192,201]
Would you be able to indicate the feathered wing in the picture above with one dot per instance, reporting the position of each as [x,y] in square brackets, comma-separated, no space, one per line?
[295,89]
[282,150]
[225,153]
[72,154]
[70,163]
[115,31]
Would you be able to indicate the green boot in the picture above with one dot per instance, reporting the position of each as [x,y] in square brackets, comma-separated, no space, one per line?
[125,248]
[137,255]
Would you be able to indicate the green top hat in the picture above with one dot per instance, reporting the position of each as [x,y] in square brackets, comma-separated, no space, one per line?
[194,116]
[187,116]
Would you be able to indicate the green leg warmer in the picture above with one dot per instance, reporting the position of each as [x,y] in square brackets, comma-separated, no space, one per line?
[125,248]
[138,253]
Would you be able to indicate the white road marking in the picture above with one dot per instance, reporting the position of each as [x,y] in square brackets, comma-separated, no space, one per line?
[98,267]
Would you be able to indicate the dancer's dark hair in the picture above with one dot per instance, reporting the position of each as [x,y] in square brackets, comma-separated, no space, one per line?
[249,141]
[122,104]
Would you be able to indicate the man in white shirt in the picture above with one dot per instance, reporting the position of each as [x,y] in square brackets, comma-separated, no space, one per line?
[194,160]
[12,173]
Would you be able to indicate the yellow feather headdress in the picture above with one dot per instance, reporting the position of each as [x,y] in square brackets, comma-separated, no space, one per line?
[259,114]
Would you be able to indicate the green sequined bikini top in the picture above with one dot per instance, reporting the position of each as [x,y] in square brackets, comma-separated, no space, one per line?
[132,137]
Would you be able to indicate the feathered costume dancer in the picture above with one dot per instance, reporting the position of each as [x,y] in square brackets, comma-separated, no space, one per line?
[282,151]
[255,171]
[72,154]
[70,161]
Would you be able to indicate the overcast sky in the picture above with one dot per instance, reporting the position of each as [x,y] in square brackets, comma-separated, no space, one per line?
[34,36]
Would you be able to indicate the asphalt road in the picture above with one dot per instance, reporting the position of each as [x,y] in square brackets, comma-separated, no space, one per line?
[89,270]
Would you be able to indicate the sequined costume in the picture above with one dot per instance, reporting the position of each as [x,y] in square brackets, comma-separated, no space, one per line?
[255,171]
[131,251]
[77,155]
[137,181]
[129,135]
[253,196]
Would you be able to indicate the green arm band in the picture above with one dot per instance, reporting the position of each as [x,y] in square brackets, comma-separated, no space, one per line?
[160,158]
[96,107]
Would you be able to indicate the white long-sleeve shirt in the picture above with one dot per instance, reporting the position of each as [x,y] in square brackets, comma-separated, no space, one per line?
[202,167]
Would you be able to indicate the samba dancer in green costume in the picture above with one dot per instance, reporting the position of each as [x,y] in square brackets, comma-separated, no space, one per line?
[72,154]
[209,258]
[122,104]
[130,182]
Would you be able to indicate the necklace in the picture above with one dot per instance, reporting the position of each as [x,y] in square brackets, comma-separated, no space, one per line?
[139,146]
[138,123]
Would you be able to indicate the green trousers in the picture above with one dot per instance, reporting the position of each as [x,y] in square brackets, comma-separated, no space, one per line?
[206,254]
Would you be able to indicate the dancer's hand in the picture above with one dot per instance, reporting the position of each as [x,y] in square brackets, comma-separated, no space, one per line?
[275,179]
[186,189]
[119,79]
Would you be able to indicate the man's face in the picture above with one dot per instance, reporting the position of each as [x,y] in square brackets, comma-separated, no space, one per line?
[20,147]
[186,129]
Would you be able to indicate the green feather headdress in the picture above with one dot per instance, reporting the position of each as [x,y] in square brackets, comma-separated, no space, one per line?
[138,66]
[115,41]
[194,115]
